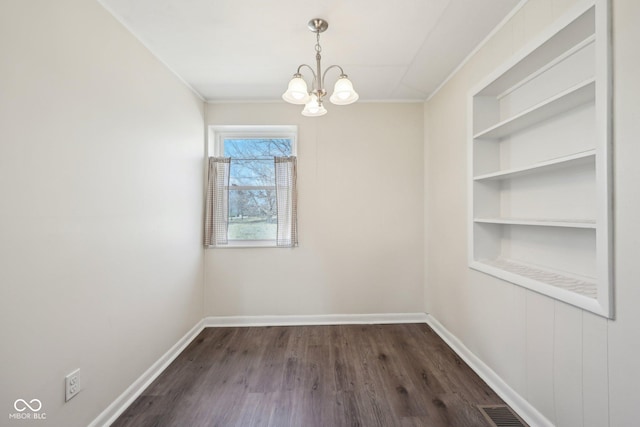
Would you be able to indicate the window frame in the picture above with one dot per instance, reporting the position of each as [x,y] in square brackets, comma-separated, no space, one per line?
[215,148]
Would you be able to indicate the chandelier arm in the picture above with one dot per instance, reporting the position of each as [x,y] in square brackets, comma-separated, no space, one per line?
[315,77]
[330,67]
[309,67]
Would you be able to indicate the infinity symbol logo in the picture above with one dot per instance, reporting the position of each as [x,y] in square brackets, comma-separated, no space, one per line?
[21,405]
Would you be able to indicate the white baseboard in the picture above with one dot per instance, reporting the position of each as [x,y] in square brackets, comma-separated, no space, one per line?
[523,408]
[113,411]
[322,319]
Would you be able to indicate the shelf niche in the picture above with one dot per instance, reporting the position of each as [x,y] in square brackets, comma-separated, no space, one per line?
[539,160]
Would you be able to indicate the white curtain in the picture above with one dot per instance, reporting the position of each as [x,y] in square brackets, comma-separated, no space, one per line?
[287,204]
[216,215]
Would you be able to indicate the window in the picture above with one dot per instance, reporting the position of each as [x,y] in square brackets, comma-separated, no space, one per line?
[251,194]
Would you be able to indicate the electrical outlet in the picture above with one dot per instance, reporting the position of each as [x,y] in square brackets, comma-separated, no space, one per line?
[72,385]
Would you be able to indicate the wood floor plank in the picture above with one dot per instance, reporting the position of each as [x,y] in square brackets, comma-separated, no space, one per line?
[395,381]
[372,399]
[308,376]
[282,411]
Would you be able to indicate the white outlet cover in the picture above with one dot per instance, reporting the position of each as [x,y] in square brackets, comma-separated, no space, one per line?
[72,385]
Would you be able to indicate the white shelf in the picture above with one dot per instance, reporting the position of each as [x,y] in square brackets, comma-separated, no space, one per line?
[581,45]
[582,158]
[584,286]
[571,98]
[567,223]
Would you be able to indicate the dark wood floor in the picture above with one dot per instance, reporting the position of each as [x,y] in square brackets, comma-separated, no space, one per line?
[308,376]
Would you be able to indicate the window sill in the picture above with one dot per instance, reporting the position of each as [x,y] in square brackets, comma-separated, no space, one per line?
[246,244]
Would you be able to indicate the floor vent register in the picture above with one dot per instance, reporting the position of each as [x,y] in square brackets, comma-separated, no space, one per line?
[501,416]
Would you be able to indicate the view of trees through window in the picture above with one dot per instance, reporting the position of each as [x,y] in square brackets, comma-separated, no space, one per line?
[252,192]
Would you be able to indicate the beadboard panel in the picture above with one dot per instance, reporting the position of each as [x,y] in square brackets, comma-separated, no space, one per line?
[567,365]
[595,398]
[539,353]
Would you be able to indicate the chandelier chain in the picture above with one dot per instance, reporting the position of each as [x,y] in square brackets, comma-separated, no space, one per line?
[318,47]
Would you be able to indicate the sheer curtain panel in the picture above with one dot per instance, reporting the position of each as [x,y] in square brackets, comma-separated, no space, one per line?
[286,195]
[216,220]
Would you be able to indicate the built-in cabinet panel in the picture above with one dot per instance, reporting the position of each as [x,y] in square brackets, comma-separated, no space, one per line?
[539,149]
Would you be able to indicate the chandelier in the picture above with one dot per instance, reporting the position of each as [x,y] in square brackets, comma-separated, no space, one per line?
[298,91]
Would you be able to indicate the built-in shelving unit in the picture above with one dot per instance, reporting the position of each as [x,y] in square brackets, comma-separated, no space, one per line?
[540,148]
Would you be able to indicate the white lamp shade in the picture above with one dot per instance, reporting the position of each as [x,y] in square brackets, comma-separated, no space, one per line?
[313,108]
[297,92]
[343,93]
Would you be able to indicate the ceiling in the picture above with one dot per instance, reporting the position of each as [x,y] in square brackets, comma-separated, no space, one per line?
[247,50]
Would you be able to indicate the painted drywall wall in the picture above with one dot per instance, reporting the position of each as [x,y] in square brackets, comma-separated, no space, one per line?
[623,335]
[576,368]
[101,169]
[360,187]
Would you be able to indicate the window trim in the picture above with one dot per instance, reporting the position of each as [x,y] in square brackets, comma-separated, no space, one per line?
[218,133]
[215,148]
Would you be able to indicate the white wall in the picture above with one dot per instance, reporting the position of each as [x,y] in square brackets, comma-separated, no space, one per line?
[360,218]
[100,208]
[576,368]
